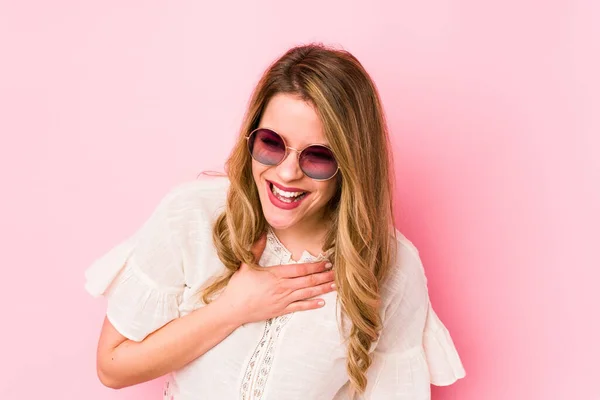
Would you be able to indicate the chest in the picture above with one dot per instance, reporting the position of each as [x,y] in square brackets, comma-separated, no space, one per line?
[279,358]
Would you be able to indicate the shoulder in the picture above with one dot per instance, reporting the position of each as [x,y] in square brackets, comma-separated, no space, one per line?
[205,187]
[197,193]
[406,279]
[205,196]
[407,264]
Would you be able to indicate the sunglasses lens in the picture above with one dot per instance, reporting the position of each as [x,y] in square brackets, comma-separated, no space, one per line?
[266,147]
[318,162]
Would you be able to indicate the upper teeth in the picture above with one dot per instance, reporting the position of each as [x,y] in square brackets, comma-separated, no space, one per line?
[284,193]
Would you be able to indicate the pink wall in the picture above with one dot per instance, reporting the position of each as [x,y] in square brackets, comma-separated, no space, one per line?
[494,111]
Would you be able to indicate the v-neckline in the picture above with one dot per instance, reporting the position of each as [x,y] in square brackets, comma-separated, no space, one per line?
[279,249]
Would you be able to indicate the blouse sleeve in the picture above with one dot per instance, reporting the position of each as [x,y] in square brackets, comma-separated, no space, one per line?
[415,348]
[143,277]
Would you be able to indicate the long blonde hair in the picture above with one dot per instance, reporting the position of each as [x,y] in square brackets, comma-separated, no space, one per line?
[361,234]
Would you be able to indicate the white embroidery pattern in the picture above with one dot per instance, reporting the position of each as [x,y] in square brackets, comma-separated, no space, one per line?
[257,372]
[275,243]
[279,249]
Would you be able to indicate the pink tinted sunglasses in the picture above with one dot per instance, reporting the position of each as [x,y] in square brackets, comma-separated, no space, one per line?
[269,148]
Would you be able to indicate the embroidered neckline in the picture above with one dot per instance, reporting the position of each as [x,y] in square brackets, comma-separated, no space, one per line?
[306,256]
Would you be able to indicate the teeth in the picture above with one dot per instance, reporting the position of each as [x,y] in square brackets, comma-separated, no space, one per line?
[283,193]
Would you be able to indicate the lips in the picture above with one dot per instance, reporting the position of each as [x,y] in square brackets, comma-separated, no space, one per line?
[282,204]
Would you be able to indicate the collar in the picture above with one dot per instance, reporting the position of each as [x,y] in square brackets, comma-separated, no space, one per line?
[285,255]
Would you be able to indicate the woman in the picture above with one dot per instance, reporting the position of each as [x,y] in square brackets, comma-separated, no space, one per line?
[229,286]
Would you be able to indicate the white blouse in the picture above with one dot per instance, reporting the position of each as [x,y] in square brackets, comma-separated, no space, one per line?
[155,276]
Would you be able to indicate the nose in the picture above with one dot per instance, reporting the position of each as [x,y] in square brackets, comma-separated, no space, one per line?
[289,169]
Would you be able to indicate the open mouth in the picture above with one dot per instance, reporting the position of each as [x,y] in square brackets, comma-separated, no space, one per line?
[286,197]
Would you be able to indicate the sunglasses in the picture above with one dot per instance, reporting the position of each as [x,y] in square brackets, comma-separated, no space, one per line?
[269,148]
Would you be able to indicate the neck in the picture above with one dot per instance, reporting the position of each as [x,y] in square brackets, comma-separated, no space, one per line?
[306,235]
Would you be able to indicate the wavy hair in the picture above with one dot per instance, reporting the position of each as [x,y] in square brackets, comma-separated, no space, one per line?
[361,233]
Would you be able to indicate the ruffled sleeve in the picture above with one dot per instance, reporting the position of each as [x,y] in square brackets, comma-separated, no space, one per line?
[442,358]
[415,349]
[142,277]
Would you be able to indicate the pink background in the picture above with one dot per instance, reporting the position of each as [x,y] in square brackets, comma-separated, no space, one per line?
[494,111]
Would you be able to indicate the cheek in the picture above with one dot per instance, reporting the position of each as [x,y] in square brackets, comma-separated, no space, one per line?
[328,190]
[257,170]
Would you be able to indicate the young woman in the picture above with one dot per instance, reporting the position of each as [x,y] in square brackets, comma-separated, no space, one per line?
[286,279]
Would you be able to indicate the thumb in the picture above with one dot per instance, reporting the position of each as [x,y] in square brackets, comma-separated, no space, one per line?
[258,247]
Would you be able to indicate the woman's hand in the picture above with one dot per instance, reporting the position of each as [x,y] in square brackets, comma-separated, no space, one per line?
[257,295]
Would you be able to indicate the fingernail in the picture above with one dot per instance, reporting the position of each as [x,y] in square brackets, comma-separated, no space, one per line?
[328,265]
[321,303]
[333,285]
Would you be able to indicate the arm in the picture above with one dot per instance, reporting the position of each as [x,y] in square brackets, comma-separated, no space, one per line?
[122,362]
[275,291]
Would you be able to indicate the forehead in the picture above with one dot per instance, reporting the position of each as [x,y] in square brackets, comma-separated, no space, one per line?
[294,119]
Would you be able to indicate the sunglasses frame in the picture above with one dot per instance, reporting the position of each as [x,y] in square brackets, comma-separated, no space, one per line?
[287,148]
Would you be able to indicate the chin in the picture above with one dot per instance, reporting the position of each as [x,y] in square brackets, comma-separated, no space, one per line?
[278,221]
[275,217]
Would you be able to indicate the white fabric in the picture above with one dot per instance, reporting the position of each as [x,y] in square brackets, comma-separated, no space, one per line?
[155,276]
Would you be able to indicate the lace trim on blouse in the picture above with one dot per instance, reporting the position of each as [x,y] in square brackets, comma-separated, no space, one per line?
[257,372]
[279,249]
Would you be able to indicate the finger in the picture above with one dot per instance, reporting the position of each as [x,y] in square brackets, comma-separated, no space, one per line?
[258,247]
[310,280]
[296,270]
[308,293]
[304,305]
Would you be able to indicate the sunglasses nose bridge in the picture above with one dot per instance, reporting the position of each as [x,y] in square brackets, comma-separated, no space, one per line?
[289,150]
[295,150]
[288,168]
